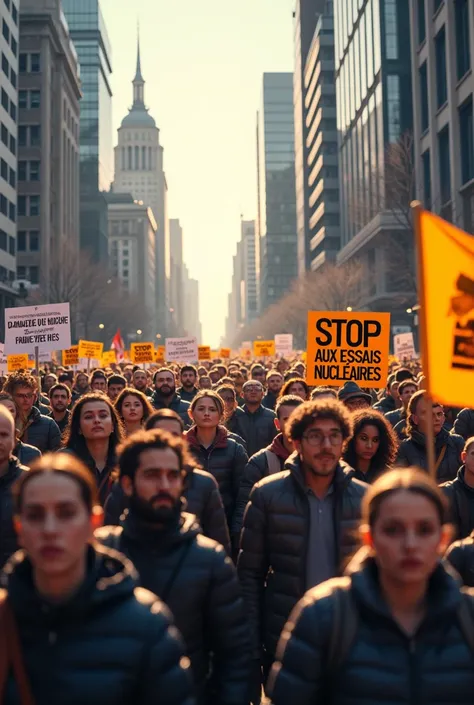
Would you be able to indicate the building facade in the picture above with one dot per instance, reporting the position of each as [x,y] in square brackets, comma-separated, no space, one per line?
[176,280]
[249,274]
[9,44]
[48,144]
[192,322]
[132,235]
[139,171]
[236,311]
[89,34]
[442,43]
[374,113]
[276,240]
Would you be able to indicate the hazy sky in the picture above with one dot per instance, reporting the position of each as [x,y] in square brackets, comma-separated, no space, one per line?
[203,62]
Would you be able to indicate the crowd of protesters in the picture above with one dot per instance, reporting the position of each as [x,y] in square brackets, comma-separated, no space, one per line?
[226,534]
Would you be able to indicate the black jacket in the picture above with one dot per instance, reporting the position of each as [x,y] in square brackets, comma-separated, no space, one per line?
[382,666]
[62,425]
[8,540]
[257,429]
[202,498]
[187,396]
[177,404]
[395,416]
[461,503]
[274,544]
[41,431]
[269,400]
[461,556]
[225,460]
[109,644]
[385,404]
[26,454]
[198,582]
[464,423]
[412,451]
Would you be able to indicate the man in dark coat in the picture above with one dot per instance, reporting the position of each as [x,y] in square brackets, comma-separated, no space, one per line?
[188,376]
[253,422]
[192,574]
[275,382]
[464,423]
[165,397]
[34,428]
[460,493]
[299,523]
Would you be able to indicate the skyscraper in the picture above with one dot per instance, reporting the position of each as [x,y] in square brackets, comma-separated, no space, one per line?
[176,280]
[276,222]
[192,323]
[249,294]
[139,171]
[89,34]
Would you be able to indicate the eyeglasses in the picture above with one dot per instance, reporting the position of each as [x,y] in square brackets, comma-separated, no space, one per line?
[27,396]
[317,438]
[253,388]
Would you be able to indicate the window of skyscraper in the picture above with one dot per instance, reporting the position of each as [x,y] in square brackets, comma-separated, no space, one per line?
[444,166]
[35,65]
[23,63]
[22,170]
[436,5]
[426,160]
[424,97]
[23,100]
[466,132]
[463,52]
[391,30]
[393,107]
[441,71]
[21,241]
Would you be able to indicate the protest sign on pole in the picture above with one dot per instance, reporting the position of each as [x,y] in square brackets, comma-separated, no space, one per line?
[264,348]
[284,343]
[90,349]
[159,356]
[3,360]
[70,356]
[245,353]
[17,362]
[404,346]
[46,327]
[142,352]
[348,347]
[181,350]
[225,353]
[204,352]
[108,357]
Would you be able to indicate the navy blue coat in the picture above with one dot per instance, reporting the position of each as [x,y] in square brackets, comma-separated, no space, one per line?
[42,432]
[8,540]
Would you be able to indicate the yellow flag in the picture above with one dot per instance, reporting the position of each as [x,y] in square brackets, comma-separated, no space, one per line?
[446,274]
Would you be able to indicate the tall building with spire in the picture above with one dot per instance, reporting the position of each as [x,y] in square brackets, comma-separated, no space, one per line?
[139,171]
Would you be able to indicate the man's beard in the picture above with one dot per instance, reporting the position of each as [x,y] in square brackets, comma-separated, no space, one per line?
[149,514]
[322,473]
[169,393]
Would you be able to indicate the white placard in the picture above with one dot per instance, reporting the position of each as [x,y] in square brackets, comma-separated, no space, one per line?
[85,362]
[404,346]
[181,350]
[47,326]
[284,343]
[3,360]
[246,345]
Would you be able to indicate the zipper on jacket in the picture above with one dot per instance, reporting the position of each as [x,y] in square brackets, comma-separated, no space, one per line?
[412,668]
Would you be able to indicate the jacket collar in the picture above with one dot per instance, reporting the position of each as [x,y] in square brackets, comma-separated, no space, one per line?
[184,528]
[220,441]
[341,479]
[278,447]
[14,470]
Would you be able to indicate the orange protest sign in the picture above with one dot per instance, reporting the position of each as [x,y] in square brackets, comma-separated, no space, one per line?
[90,349]
[264,348]
[17,362]
[108,357]
[160,354]
[225,353]
[345,347]
[70,356]
[204,352]
[142,352]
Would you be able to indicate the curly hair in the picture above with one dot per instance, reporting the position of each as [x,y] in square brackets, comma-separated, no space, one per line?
[132,392]
[285,390]
[311,411]
[20,379]
[73,438]
[388,444]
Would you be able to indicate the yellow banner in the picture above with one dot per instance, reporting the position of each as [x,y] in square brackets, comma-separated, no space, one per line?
[264,348]
[17,362]
[70,356]
[90,349]
[108,357]
[446,263]
[142,352]
[225,353]
[160,354]
[204,352]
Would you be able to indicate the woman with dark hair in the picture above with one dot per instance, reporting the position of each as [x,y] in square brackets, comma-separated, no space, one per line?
[397,628]
[71,604]
[295,386]
[133,408]
[373,447]
[93,434]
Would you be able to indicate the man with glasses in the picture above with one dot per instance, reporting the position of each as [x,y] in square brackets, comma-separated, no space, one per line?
[253,421]
[33,428]
[299,524]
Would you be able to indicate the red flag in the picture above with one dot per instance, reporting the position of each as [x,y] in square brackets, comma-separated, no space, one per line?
[118,345]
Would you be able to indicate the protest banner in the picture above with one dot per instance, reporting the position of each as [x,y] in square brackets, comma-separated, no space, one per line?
[181,349]
[160,354]
[44,327]
[284,343]
[404,346]
[17,362]
[204,352]
[108,357]
[264,348]
[90,349]
[225,353]
[70,356]
[142,352]
[3,360]
[345,347]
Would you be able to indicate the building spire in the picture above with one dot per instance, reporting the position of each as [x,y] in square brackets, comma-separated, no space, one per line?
[138,81]
[138,74]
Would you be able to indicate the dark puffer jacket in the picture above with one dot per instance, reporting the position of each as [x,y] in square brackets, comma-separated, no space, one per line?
[257,428]
[41,431]
[461,556]
[109,644]
[202,499]
[464,423]
[225,460]
[461,503]
[385,404]
[26,454]
[383,665]
[177,404]
[8,540]
[412,451]
[274,544]
[203,595]
[395,416]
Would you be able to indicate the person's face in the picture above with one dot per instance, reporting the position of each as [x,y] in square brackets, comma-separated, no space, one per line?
[24,399]
[132,409]
[259,374]
[188,379]
[298,389]
[59,400]
[128,374]
[275,383]
[283,366]
[99,384]
[214,376]
[299,369]
[237,378]
[10,405]
[229,400]
[68,383]
[114,390]
[356,403]
[48,382]
[467,457]
[205,383]
[253,393]
[206,413]
[158,484]
[170,425]
[165,384]
[140,380]
[7,438]
[393,389]
[320,448]
[82,382]
[54,525]
[96,421]
[284,413]
[420,418]
[407,393]
[407,537]
[367,442]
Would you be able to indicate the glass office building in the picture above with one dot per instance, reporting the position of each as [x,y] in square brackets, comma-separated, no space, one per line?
[276,223]
[89,34]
